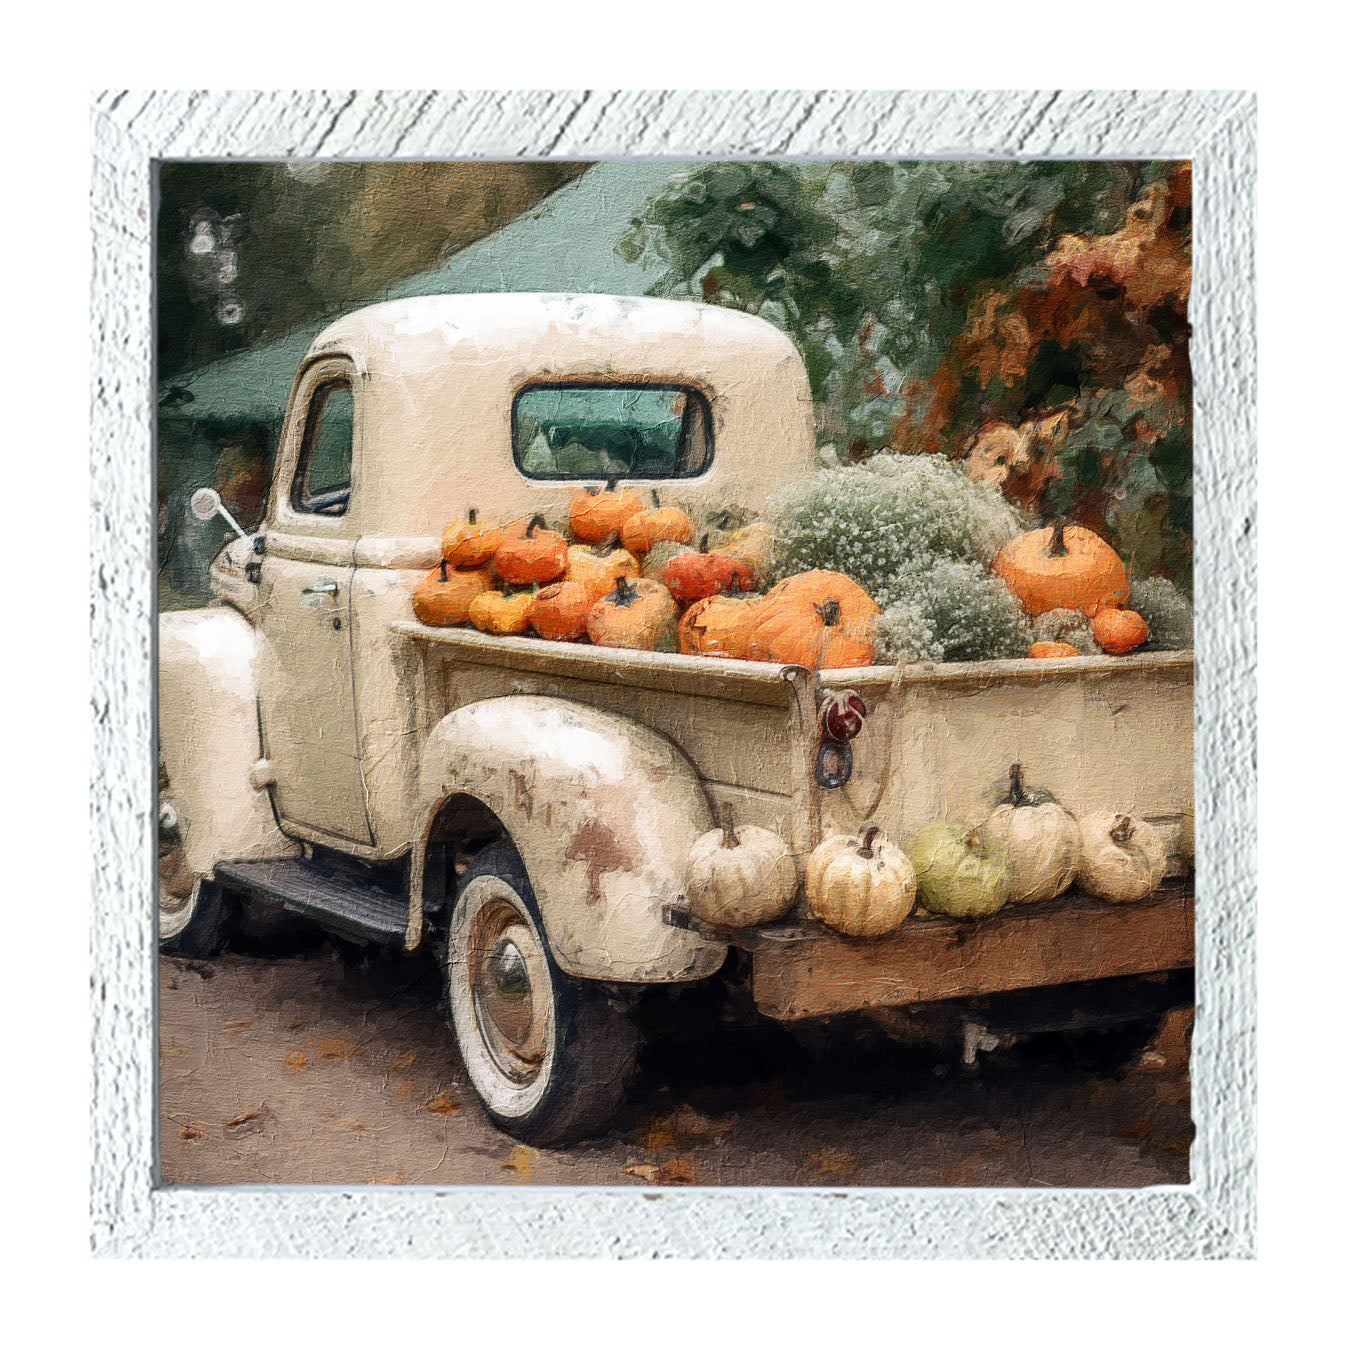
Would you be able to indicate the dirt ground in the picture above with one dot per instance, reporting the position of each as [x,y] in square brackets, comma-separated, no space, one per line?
[330,1067]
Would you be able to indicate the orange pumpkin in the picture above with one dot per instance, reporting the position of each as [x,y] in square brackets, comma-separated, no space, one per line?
[637,614]
[1062,567]
[600,567]
[717,626]
[1119,630]
[657,524]
[470,543]
[444,595]
[497,612]
[1051,651]
[695,574]
[596,515]
[559,611]
[820,620]
[531,555]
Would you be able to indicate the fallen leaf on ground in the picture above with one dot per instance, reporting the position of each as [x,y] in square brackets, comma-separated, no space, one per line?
[190,1132]
[297,1059]
[674,1172]
[247,1122]
[832,1162]
[352,1125]
[332,1048]
[521,1161]
[444,1104]
[962,1175]
[237,1024]
[405,1088]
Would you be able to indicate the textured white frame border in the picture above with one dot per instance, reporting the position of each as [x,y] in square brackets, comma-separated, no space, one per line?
[134,1214]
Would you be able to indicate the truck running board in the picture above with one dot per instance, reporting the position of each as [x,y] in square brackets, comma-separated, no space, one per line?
[335,897]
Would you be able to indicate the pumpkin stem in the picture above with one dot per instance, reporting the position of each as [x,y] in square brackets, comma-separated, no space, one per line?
[829,613]
[536,522]
[445,576]
[1016,792]
[865,849]
[1122,830]
[730,839]
[473,515]
[624,592]
[974,841]
[611,484]
[703,543]
[656,501]
[1057,547]
[607,544]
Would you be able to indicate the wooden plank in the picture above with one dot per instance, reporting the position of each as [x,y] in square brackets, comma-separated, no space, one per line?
[805,971]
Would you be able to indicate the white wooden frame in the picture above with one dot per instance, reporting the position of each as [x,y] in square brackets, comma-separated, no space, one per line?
[134,1214]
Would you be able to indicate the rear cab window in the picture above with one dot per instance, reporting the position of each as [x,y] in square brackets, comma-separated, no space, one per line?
[592,430]
[322,483]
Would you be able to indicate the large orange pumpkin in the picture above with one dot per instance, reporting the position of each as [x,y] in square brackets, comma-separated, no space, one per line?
[1051,651]
[820,620]
[496,612]
[444,595]
[1119,630]
[531,555]
[471,542]
[599,567]
[657,524]
[718,626]
[596,515]
[695,574]
[1063,567]
[559,611]
[636,614]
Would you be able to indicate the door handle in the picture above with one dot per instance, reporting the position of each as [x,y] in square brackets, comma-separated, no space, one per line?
[322,588]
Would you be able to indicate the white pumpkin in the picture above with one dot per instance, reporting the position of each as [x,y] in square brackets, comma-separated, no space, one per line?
[861,886]
[1123,857]
[1041,839]
[738,877]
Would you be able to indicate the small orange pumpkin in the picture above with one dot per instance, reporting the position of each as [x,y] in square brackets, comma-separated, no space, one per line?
[599,567]
[639,615]
[531,555]
[1119,630]
[657,524]
[444,595]
[695,574]
[497,612]
[718,626]
[1062,567]
[471,542]
[1051,651]
[820,620]
[559,611]
[596,515]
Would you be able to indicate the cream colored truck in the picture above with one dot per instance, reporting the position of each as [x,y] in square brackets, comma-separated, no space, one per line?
[529,805]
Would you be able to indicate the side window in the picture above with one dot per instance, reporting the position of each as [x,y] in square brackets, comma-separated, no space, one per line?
[323,476]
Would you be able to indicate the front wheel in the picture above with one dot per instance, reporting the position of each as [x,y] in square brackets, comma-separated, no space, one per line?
[548,1055]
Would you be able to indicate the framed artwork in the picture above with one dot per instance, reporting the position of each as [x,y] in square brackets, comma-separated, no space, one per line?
[676,683]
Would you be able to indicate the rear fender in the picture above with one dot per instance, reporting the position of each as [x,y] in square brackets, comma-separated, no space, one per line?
[208,738]
[602,810]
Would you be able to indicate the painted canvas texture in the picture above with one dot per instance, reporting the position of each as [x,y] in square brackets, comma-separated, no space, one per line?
[675,674]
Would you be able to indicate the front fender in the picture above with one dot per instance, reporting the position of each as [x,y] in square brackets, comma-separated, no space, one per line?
[208,738]
[602,810]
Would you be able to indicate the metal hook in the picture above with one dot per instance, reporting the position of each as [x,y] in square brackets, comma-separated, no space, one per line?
[834,762]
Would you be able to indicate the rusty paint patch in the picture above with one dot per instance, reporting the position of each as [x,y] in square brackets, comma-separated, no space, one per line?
[596,845]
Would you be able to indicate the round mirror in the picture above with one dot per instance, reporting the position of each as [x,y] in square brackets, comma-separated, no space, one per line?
[205,503]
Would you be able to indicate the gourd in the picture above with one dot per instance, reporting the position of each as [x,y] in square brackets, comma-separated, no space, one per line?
[1123,857]
[496,612]
[657,524]
[443,596]
[531,555]
[559,612]
[861,886]
[717,626]
[1062,567]
[695,574]
[639,615]
[752,544]
[599,567]
[961,874]
[740,876]
[820,620]
[1119,630]
[1040,838]
[595,515]
[1052,651]
[471,542]
[1070,627]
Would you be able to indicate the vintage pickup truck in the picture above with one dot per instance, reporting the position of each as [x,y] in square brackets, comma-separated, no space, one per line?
[530,805]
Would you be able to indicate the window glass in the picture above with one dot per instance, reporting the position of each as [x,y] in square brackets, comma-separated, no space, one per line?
[323,480]
[611,431]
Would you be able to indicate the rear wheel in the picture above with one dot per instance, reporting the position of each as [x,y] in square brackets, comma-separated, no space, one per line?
[549,1056]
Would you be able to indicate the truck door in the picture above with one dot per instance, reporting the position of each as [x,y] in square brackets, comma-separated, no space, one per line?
[307,704]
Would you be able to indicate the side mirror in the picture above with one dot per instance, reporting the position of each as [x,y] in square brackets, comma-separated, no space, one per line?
[205,503]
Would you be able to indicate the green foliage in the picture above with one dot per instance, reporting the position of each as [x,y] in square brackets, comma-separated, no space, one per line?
[1167,611]
[948,610]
